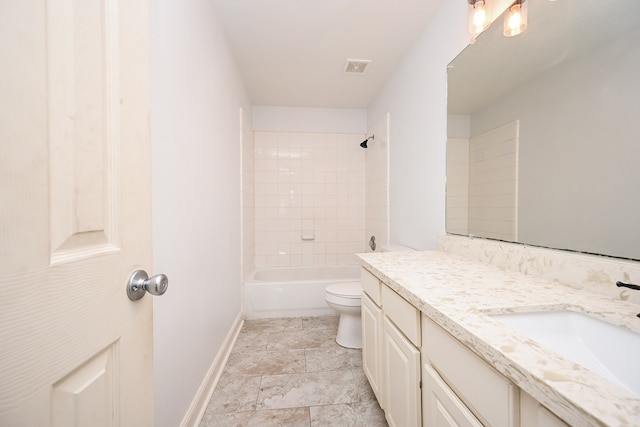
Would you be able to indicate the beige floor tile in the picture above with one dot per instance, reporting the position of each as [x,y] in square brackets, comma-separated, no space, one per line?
[251,341]
[311,389]
[312,338]
[321,322]
[291,372]
[332,359]
[358,414]
[272,325]
[235,393]
[290,417]
[270,362]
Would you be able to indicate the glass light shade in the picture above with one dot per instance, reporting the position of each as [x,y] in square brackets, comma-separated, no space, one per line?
[478,17]
[515,19]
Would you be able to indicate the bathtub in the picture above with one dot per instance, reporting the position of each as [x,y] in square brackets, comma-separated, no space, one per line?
[292,292]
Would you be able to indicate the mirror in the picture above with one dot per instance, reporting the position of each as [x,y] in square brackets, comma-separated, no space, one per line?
[543,130]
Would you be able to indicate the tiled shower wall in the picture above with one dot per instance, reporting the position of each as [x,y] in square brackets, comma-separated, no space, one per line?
[458,186]
[309,185]
[482,184]
[493,183]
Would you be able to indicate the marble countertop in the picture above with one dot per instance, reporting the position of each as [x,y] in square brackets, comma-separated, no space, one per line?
[458,294]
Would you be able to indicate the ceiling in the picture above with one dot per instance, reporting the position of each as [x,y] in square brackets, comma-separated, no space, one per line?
[292,52]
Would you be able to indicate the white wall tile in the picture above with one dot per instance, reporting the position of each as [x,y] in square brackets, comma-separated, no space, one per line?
[308,181]
[493,158]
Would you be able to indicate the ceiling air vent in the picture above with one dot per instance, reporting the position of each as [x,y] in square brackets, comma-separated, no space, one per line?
[356,66]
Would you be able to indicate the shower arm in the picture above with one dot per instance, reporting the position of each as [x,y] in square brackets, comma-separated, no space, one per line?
[363,144]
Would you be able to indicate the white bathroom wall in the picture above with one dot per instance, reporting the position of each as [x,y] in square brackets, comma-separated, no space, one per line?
[196,96]
[377,183]
[309,199]
[248,197]
[296,119]
[416,99]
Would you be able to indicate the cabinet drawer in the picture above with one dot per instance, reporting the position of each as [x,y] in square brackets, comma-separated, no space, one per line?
[405,316]
[440,405]
[370,285]
[492,397]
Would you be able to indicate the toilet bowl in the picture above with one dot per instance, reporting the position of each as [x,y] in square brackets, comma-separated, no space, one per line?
[345,298]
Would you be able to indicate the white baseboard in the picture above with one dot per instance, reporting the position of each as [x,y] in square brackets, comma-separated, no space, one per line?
[201,400]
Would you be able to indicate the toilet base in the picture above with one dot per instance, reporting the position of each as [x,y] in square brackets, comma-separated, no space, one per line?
[349,331]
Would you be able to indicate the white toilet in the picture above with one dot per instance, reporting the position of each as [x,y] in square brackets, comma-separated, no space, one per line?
[345,298]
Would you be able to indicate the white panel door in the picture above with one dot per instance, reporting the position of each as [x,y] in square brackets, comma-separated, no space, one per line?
[74,213]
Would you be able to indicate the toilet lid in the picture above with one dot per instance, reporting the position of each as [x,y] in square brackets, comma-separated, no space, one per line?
[345,289]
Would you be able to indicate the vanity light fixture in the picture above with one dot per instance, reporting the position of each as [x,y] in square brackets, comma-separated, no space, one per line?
[478,16]
[515,18]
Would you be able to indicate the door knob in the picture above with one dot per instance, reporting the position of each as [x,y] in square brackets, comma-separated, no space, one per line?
[140,283]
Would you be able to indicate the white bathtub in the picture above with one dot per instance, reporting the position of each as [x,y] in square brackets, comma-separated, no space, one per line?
[292,292]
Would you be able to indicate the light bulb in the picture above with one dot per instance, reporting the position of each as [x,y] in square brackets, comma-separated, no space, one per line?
[478,17]
[515,20]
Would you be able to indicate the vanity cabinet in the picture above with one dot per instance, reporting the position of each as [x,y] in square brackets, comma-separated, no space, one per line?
[422,375]
[391,351]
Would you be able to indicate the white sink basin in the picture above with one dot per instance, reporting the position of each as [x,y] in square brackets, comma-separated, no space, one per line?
[608,350]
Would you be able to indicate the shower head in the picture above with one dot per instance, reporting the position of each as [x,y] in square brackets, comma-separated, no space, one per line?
[363,144]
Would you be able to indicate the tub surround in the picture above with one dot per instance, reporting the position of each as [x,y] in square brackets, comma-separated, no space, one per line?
[309,199]
[458,294]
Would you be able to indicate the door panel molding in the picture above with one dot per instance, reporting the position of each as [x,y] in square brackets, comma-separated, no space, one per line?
[83,128]
[86,396]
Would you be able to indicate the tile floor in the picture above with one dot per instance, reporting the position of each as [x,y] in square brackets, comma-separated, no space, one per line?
[291,372]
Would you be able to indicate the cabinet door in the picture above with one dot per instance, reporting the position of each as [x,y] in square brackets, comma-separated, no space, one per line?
[492,397]
[533,414]
[401,367]
[440,406]
[372,345]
